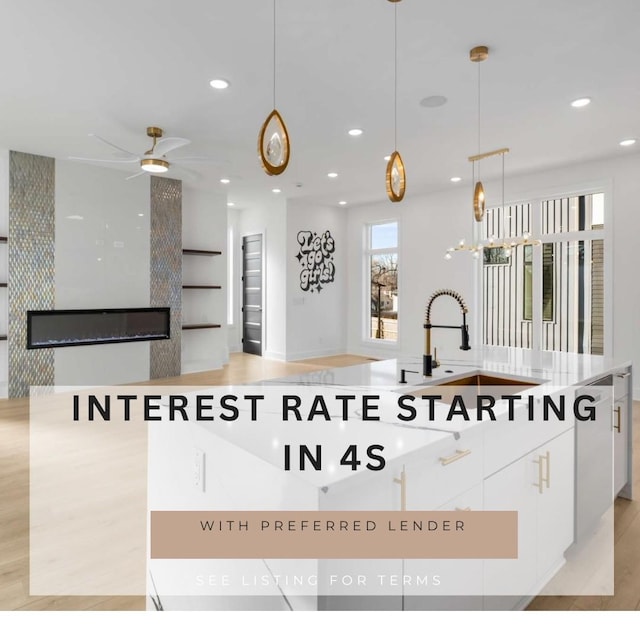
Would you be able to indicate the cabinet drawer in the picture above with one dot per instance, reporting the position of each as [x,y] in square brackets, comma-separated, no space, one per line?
[443,472]
[507,440]
[621,384]
[470,500]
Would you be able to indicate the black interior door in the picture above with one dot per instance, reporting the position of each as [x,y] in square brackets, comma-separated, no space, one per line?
[252,294]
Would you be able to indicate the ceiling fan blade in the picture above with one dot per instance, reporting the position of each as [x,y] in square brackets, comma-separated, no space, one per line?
[166,145]
[107,160]
[114,146]
[188,173]
[195,160]
[135,175]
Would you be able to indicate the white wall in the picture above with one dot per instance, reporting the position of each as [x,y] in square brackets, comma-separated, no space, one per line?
[430,224]
[270,219]
[427,226]
[4,270]
[204,226]
[315,320]
[101,261]
[234,267]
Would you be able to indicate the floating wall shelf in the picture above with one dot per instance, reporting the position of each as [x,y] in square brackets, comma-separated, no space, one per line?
[188,327]
[200,252]
[201,286]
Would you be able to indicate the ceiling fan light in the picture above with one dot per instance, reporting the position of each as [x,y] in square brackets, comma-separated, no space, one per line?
[154,165]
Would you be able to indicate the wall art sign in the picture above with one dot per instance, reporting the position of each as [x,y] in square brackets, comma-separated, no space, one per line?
[315,256]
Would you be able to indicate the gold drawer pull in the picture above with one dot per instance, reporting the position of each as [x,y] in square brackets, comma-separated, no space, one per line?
[460,453]
[542,479]
[618,425]
[547,480]
[402,481]
[461,509]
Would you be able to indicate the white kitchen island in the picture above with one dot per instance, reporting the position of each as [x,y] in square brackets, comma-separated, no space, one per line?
[561,477]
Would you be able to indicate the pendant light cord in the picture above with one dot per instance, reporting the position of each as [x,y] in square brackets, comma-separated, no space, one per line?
[503,184]
[395,77]
[479,102]
[274,54]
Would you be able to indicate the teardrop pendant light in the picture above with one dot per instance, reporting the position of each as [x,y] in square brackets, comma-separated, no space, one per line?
[478,54]
[396,179]
[273,140]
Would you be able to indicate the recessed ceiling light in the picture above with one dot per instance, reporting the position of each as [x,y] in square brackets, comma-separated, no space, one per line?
[225,180]
[75,216]
[231,204]
[332,174]
[355,132]
[581,102]
[628,143]
[276,190]
[387,158]
[342,203]
[456,179]
[433,101]
[219,83]
[141,215]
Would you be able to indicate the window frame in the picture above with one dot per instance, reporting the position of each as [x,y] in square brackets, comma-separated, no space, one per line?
[535,198]
[367,254]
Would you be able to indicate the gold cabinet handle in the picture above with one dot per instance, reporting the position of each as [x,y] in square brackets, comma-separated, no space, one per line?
[547,479]
[402,481]
[542,479]
[626,374]
[460,453]
[618,425]
[461,509]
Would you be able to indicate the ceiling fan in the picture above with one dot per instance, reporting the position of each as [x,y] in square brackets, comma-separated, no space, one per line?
[153,160]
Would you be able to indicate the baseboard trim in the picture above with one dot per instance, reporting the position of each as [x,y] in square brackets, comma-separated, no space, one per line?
[318,353]
[274,355]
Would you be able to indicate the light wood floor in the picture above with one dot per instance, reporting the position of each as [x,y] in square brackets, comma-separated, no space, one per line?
[14,502]
[14,480]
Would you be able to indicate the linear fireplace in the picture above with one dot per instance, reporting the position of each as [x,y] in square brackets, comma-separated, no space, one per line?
[75,327]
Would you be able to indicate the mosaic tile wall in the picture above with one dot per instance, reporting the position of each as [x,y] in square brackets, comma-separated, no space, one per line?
[166,271]
[31,283]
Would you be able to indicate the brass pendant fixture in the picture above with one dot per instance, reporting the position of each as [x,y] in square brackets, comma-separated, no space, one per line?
[274,148]
[478,54]
[478,201]
[395,177]
[273,144]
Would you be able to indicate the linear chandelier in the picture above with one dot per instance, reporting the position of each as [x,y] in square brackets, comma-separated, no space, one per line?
[507,244]
[480,54]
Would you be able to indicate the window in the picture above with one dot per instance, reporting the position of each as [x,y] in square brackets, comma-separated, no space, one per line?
[567,268]
[381,266]
[547,282]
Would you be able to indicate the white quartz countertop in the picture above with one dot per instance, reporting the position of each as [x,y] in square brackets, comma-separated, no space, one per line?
[553,367]
[547,370]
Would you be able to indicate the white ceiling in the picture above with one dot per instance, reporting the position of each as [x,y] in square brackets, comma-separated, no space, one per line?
[72,67]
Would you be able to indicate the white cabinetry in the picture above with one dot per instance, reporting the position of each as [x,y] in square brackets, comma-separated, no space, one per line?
[622,436]
[540,486]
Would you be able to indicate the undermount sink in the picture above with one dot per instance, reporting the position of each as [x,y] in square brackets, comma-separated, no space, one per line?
[485,380]
[474,385]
